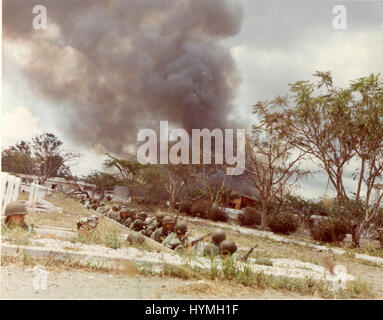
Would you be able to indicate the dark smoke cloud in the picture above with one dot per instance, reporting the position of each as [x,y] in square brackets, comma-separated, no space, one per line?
[124,65]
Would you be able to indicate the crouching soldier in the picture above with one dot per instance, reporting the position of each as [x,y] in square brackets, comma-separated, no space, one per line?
[177,239]
[15,213]
[165,230]
[138,224]
[212,249]
[153,224]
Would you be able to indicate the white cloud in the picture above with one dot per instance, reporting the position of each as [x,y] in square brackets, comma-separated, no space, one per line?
[20,124]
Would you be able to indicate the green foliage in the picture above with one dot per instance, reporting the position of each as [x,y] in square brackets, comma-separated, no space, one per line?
[282,222]
[332,230]
[113,241]
[217,214]
[251,217]
[185,206]
[200,209]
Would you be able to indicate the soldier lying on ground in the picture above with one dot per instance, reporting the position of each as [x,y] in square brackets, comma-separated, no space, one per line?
[212,248]
[124,215]
[177,239]
[167,228]
[227,247]
[101,208]
[15,212]
[153,224]
[132,217]
[114,212]
[138,224]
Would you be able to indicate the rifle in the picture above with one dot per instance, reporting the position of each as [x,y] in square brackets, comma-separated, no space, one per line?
[246,256]
[199,239]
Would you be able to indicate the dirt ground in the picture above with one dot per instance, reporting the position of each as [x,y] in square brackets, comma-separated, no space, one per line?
[17,283]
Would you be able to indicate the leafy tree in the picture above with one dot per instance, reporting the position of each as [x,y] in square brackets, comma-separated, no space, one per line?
[101,181]
[129,173]
[272,163]
[50,159]
[337,127]
[18,159]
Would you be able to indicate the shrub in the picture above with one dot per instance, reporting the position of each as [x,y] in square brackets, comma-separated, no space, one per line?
[282,222]
[200,209]
[250,217]
[329,231]
[216,214]
[185,207]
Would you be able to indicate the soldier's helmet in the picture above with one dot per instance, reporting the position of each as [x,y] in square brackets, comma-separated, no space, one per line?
[135,237]
[132,211]
[15,207]
[227,247]
[142,215]
[115,207]
[218,236]
[138,225]
[160,216]
[181,228]
[167,220]
[124,212]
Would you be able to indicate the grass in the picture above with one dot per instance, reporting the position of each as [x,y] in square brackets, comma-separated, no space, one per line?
[16,235]
[229,269]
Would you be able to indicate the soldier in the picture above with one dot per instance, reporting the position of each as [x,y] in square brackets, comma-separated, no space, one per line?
[177,239]
[227,247]
[15,212]
[165,230]
[132,216]
[212,249]
[101,208]
[153,224]
[139,224]
[114,213]
[124,214]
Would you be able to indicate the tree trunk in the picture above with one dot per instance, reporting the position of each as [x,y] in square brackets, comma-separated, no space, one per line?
[264,213]
[356,237]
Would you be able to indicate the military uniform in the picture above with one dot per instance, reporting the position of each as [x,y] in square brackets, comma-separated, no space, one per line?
[128,222]
[211,250]
[137,225]
[160,234]
[172,242]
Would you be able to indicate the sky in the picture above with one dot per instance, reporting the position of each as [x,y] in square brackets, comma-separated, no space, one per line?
[272,43]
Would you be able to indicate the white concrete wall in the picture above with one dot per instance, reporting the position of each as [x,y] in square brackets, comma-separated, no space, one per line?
[10,187]
[36,193]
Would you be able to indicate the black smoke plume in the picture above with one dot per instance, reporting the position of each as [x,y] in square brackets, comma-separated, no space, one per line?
[111,67]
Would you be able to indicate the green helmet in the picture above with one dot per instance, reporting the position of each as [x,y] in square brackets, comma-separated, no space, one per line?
[228,247]
[167,220]
[132,211]
[181,228]
[15,207]
[142,215]
[135,237]
[160,216]
[218,236]
[124,210]
[137,225]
